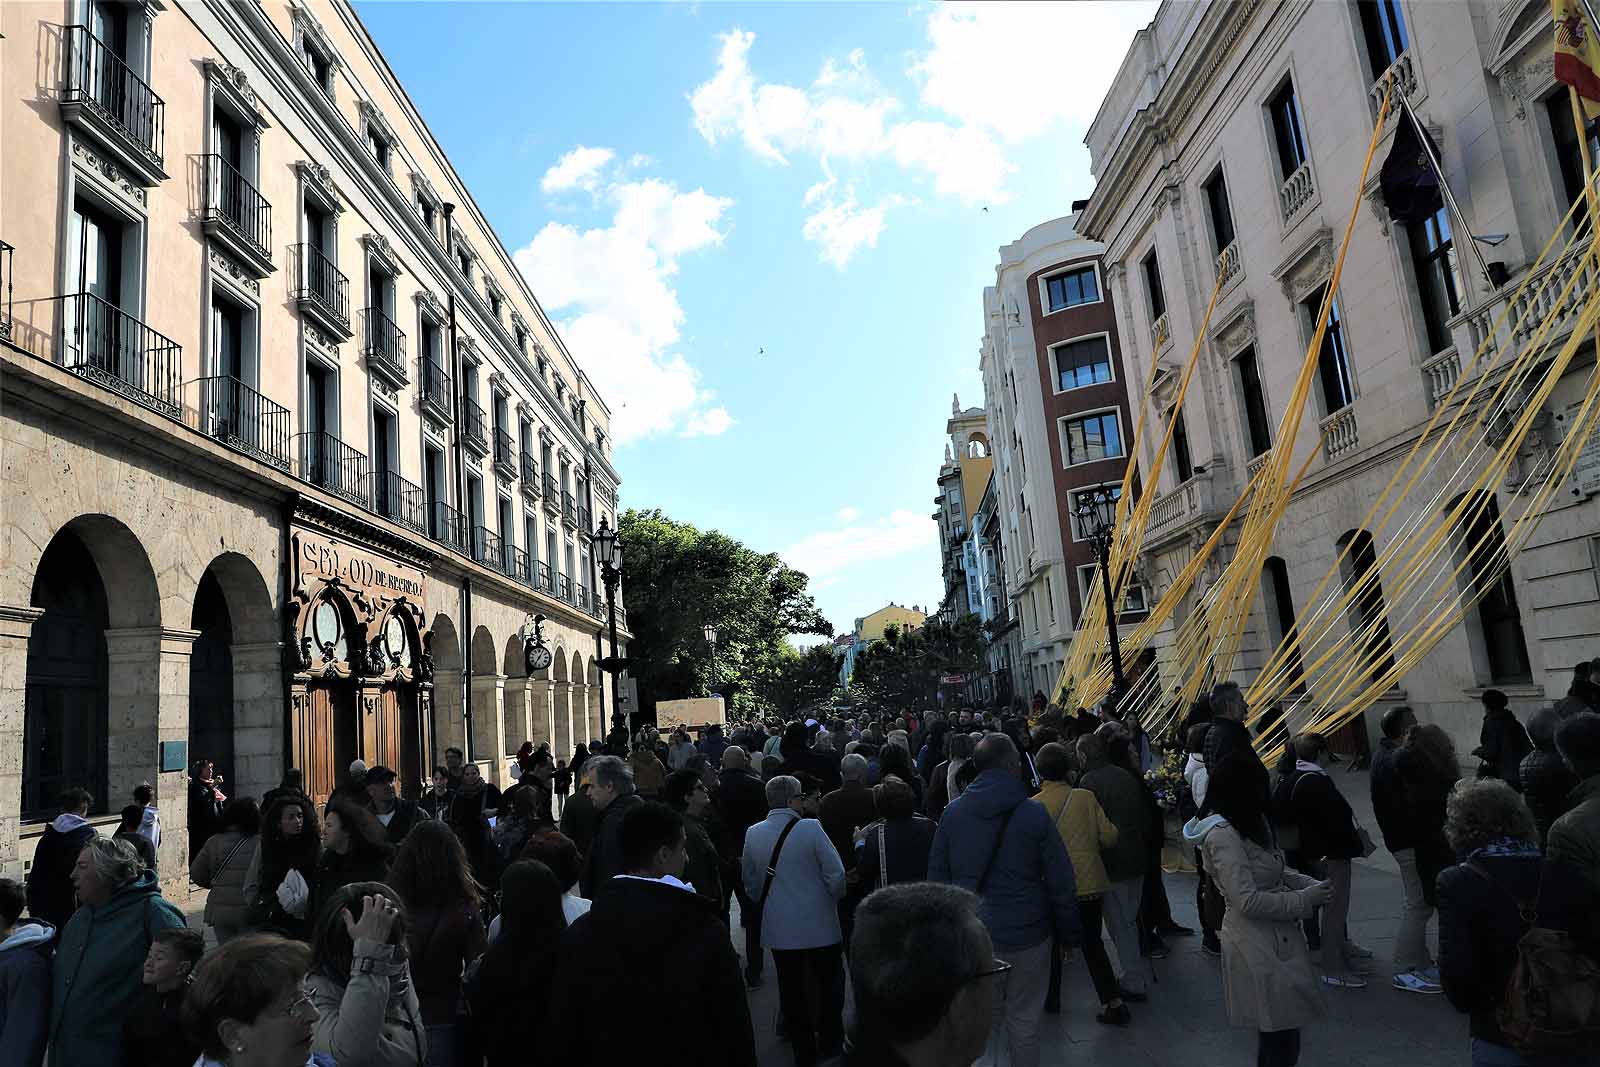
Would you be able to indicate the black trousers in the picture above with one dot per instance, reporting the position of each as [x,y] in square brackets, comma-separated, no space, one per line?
[1209,935]
[1090,912]
[1155,911]
[1278,1048]
[752,932]
[811,996]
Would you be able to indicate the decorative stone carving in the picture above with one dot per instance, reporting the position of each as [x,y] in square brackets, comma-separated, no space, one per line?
[308,30]
[423,189]
[1236,332]
[1526,82]
[318,339]
[498,381]
[1167,196]
[518,321]
[387,391]
[319,180]
[379,248]
[111,175]
[235,271]
[468,349]
[236,84]
[430,305]
[1307,267]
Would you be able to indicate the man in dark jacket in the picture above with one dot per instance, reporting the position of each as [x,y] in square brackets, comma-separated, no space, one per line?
[25,949]
[396,813]
[1123,801]
[800,758]
[50,894]
[848,808]
[649,940]
[1502,742]
[1414,971]
[1328,839]
[1575,837]
[713,745]
[1229,738]
[609,785]
[1003,846]
[741,802]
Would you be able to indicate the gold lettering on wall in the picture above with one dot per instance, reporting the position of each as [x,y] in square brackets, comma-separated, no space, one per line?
[321,556]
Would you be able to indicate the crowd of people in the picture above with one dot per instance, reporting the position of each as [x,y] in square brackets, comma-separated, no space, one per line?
[954,863]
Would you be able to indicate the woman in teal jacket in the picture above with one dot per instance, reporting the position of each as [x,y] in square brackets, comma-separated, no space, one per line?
[100,960]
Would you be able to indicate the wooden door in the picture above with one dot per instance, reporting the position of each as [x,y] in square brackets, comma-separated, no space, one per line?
[313,741]
[381,734]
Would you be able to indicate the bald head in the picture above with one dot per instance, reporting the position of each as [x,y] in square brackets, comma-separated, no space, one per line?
[735,758]
[996,752]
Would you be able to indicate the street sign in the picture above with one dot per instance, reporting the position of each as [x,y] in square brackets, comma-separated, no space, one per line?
[953,679]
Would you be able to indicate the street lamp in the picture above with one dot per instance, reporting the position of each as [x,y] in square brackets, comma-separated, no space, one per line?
[1097,518]
[608,553]
[710,632]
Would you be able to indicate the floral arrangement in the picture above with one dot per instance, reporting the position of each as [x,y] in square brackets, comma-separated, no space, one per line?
[1166,780]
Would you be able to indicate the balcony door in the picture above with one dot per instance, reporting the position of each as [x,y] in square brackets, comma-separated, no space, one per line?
[383,452]
[227,142]
[108,66]
[95,326]
[320,391]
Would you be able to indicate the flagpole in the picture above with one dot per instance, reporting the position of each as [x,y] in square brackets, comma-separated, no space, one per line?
[1588,8]
[1444,183]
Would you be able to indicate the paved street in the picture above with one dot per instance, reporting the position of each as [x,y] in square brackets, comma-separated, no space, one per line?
[1184,1024]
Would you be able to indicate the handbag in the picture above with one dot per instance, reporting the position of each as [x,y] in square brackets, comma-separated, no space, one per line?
[1368,847]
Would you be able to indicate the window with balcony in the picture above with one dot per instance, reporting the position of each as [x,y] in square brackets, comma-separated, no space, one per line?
[105,91]
[1433,258]
[1218,210]
[1252,402]
[322,290]
[233,339]
[1091,437]
[1086,361]
[1182,462]
[1569,153]
[384,343]
[1288,135]
[1505,649]
[530,535]
[1333,362]
[1070,288]
[1383,27]
[1279,599]
[550,555]
[1153,291]
[1358,567]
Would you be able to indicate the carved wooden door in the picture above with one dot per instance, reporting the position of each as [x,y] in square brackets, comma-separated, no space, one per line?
[313,741]
[381,728]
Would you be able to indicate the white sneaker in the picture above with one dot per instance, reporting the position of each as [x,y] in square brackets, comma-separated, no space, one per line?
[1416,982]
[1344,981]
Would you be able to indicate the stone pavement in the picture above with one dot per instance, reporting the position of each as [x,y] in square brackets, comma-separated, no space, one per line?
[1185,1025]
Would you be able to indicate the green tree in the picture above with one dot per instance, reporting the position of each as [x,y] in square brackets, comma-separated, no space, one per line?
[678,579]
[804,679]
[903,669]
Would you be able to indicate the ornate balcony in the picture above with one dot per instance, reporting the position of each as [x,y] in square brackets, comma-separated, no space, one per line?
[1229,265]
[445,525]
[106,345]
[1160,333]
[486,547]
[104,97]
[552,494]
[566,589]
[569,509]
[395,498]
[1403,72]
[385,347]
[473,432]
[236,216]
[505,454]
[1440,373]
[1253,466]
[530,477]
[1339,433]
[328,462]
[1188,502]
[436,395]
[244,420]
[544,581]
[322,292]
[1296,193]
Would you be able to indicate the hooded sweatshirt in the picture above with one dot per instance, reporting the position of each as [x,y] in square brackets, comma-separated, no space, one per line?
[1198,777]
[25,993]
[50,893]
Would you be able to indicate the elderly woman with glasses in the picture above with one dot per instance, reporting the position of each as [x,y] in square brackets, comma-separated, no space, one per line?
[685,792]
[248,1007]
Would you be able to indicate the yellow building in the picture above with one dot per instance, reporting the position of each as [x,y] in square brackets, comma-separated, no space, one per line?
[870,628]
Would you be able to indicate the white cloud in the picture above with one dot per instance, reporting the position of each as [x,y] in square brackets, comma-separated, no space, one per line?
[840,225]
[964,162]
[1018,68]
[848,514]
[826,553]
[614,285]
[578,169]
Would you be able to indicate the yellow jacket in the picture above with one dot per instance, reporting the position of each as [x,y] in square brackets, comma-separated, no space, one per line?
[1085,829]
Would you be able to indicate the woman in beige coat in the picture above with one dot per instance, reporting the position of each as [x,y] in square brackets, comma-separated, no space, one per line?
[222,865]
[1267,979]
[1086,830]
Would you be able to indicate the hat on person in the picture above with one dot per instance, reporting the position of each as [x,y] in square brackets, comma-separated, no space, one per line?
[358,767]
[380,775]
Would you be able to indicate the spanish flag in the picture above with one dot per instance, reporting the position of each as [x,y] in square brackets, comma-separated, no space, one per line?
[1577,53]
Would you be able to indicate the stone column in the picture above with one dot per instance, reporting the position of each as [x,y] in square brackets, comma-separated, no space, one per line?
[561,717]
[148,680]
[16,626]
[579,702]
[258,718]
[488,725]
[517,727]
[539,704]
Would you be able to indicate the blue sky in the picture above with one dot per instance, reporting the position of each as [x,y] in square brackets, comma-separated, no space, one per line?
[764,231]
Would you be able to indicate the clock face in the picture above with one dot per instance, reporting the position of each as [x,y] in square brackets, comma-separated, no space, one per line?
[538,658]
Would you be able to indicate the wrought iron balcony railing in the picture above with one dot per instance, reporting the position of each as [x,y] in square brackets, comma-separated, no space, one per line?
[486,547]
[119,102]
[516,562]
[396,498]
[473,434]
[328,462]
[445,525]
[505,453]
[321,288]
[385,345]
[7,268]
[436,389]
[545,580]
[105,344]
[237,205]
[552,491]
[530,475]
[244,419]
[566,588]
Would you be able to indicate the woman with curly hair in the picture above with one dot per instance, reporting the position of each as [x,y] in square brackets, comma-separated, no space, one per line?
[277,886]
[433,878]
[354,849]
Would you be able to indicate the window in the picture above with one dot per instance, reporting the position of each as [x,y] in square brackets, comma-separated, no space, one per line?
[522,341]
[1498,615]
[464,261]
[1333,364]
[1134,601]
[1287,132]
[1181,459]
[98,248]
[233,340]
[474,501]
[508,526]
[1079,498]
[427,212]
[319,63]
[379,146]
[1091,437]
[1152,286]
[1216,190]
[433,477]
[530,537]
[494,304]
[1384,28]
[1280,614]
[1433,256]
[1368,612]
[385,453]
[550,551]
[1258,431]
[1082,362]
[1558,109]
[1072,288]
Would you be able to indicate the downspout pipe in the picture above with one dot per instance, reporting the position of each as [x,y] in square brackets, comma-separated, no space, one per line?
[461,497]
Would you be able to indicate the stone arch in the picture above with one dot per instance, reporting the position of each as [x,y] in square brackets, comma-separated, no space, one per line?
[236,675]
[561,704]
[487,699]
[518,727]
[449,727]
[597,701]
[580,699]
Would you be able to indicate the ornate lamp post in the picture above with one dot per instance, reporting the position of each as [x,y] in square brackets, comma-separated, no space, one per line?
[608,553]
[1097,517]
[710,632]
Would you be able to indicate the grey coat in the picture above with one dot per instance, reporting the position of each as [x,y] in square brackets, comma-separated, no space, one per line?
[361,1025]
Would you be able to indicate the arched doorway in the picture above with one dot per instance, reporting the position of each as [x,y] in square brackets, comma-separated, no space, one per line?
[67,697]
[211,678]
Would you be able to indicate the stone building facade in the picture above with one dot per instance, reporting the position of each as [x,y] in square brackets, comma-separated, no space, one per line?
[962,478]
[1056,396]
[1230,145]
[292,456]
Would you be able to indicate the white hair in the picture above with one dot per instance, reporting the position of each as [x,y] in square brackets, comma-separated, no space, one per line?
[853,767]
[782,789]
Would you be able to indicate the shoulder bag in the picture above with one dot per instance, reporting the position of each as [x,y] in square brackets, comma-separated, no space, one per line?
[994,853]
[772,872]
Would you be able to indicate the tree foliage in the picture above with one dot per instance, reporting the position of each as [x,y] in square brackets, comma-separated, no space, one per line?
[807,678]
[903,669]
[678,579]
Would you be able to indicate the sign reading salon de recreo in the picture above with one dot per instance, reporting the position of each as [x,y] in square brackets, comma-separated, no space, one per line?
[317,555]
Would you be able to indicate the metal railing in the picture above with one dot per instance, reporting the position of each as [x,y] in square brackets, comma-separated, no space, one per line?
[552,491]
[566,588]
[569,508]
[105,344]
[318,281]
[328,462]
[7,270]
[233,200]
[583,518]
[385,344]
[583,596]
[517,565]
[396,498]
[244,419]
[505,451]
[436,387]
[472,424]
[99,79]
[545,580]
[530,475]
[445,525]
[486,546]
